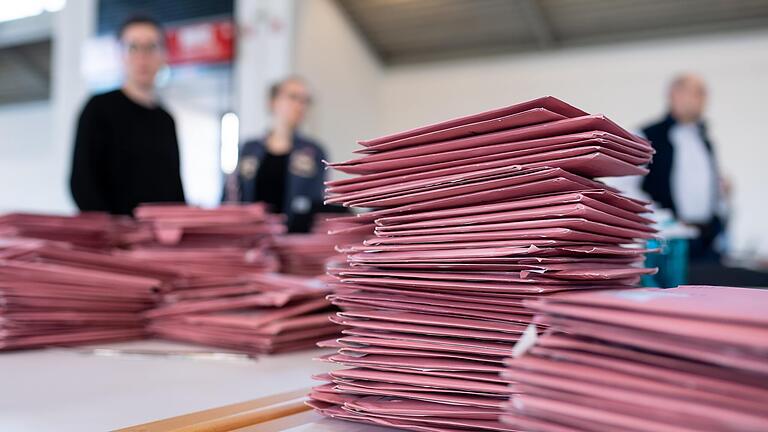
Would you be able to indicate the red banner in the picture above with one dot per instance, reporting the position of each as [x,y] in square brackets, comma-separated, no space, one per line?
[206,42]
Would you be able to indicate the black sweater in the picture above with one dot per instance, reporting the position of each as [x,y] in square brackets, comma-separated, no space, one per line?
[125,154]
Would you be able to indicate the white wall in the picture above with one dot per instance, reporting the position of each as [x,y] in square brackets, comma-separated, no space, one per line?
[25,142]
[265,41]
[628,83]
[36,138]
[344,75]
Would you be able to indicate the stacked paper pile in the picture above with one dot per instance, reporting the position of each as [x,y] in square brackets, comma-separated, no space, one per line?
[692,358]
[254,313]
[472,216]
[56,295]
[88,230]
[230,240]
[225,296]
[308,254]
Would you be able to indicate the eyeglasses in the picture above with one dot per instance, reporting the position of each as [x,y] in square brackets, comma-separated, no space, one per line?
[137,48]
[298,97]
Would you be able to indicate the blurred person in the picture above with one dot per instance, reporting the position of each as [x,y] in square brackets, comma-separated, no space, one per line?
[126,151]
[283,169]
[684,175]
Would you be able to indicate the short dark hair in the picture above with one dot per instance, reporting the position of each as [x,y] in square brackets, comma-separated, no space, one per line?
[140,19]
[274,89]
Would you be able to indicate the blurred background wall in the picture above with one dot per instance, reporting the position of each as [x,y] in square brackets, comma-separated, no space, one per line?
[628,82]
[376,70]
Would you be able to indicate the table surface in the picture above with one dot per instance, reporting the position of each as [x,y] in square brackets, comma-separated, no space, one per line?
[103,387]
[311,421]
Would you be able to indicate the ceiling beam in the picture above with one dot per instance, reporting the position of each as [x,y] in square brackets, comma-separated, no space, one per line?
[537,21]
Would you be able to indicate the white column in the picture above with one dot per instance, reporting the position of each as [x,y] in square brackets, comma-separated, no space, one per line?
[71,27]
[264,55]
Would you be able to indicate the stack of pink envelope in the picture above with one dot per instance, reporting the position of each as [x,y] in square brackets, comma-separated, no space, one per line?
[470,217]
[55,294]
[691,358]
[308,254]
[89,230]
[230,240]
[253,313]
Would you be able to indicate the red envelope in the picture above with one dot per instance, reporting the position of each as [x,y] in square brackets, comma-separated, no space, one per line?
[580,211]
[601,139]
[522,158]
[585,123]
[546,103]
[601,200]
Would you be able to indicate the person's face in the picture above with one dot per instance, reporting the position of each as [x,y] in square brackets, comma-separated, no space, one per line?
[291,103]
[143,53]
[688,99]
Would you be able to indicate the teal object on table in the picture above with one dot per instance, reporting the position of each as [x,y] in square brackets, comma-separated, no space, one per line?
[672,261]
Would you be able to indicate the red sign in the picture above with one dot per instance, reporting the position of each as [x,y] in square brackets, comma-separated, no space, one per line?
[207,42]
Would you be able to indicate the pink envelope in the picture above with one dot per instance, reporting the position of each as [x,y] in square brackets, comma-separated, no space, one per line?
[426,296]
[602,200]
[511,157]
[360,385]
[409,350]
[452,185]
[525,243]
[742,383]
[491,305]
[354,345]
[669,400]
[704,328]
[420,380]
[406,407]
[469,224]
[438,397]
[474,345]
[429,330]
[581,211]
[691,348]
[730,393]
[254,320]
[586,123]
[416,318]
[570,232]
[352,305]
[548,103]
[705,302]
[392,181]
[84,336]
[471,266]
[440,153]
[571,416]
[416,364]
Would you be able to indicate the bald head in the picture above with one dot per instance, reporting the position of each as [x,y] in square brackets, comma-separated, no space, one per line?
[687,98]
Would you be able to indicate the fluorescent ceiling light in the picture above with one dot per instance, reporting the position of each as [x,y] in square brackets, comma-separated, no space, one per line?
[29,8]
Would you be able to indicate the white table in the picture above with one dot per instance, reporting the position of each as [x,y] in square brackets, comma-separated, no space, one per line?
[75,390]
[311,421]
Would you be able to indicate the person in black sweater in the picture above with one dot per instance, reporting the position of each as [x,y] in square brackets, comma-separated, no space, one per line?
[126,151]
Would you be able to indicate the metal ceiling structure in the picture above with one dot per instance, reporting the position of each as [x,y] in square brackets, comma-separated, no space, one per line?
[408,31]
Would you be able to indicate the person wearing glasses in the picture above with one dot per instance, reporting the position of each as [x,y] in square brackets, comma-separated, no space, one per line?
[126,151]
[284,169]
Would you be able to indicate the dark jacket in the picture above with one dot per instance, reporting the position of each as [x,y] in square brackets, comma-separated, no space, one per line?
[306,176]
[658,184]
